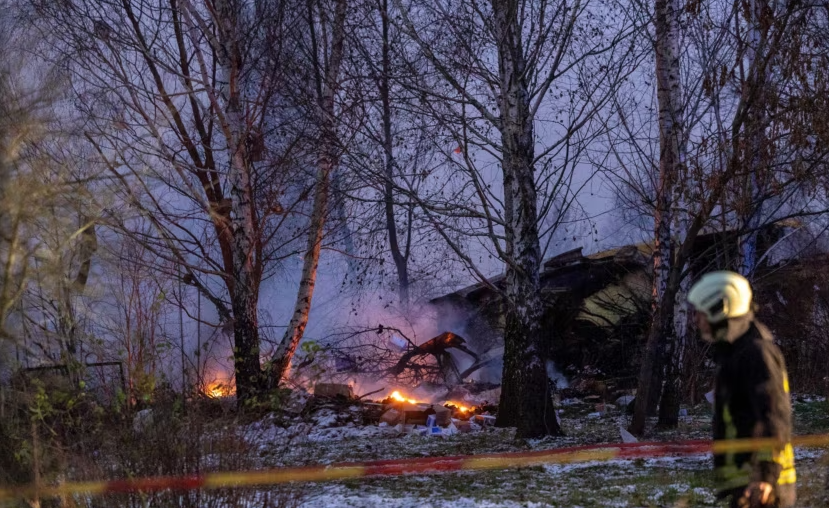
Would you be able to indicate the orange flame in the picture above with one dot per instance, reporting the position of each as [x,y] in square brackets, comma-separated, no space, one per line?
[396,396]
[219,389]
[460,407]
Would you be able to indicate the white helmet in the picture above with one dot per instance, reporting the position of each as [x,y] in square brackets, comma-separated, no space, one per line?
[721,295]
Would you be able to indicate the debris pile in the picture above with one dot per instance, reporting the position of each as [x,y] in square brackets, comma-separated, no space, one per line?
[435,419]
[336,405]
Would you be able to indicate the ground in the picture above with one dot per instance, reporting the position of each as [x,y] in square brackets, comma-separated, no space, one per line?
[658,482]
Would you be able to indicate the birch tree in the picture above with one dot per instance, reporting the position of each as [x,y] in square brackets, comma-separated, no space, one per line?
[666,48]
[498,69]
[327,38]
[183,103]
[717,119]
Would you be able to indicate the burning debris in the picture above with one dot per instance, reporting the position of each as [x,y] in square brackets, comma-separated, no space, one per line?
[437,347]
[218,389]
[441,418]
[336,404]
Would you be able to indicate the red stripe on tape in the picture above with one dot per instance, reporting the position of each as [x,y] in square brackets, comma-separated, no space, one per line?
[155,484]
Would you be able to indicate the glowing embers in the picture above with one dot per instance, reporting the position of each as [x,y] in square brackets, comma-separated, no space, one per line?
[457,406]
[217,389]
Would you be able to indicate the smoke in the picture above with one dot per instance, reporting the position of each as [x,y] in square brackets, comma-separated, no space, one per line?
[555,376]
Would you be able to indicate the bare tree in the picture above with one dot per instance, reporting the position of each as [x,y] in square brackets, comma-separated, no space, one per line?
[495,71]
[708,159]
[130,320]
[667,55]
[326,61]
[394,147]
[46,235]
[183,104]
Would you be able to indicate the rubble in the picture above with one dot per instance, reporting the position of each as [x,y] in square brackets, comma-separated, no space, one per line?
[333,390]
[624,401]
[373,413]
[391,417]
[296,403]
[485,420]
[334,405]
[443,415]
[463,426]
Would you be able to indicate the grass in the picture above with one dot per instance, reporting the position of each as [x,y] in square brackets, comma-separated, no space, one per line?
[651,483]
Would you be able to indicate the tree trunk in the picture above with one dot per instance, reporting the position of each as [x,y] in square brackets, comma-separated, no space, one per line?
[669,401]
[244,289]
[325,166]
[668,90]
[249,378]
[674,389]
[341,217]
[525,397]
[651,368]
[750,208]
[400,259]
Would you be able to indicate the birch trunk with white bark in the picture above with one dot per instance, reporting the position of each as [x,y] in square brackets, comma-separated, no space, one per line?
[246,274]
[526,400]
[677,337]
[327,161]
[666,21]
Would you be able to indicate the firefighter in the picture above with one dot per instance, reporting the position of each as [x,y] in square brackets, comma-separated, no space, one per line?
[751,394]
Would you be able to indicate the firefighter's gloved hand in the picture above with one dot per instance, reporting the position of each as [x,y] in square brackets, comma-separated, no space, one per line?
[757,495]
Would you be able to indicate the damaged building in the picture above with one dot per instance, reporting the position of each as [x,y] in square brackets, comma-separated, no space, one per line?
[597,306]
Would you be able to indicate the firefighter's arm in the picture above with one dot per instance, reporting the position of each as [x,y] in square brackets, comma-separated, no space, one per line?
[769,403]
[757,494]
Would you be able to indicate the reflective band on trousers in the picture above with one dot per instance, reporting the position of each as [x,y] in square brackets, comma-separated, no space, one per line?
[730,477]
[786,460]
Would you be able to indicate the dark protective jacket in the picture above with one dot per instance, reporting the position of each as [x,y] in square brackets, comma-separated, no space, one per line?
[751,400]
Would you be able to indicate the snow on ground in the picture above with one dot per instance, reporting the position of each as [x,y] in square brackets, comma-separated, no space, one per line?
[345,500]
[671,481]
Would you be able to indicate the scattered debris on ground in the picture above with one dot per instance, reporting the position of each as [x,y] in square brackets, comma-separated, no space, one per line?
[337,429]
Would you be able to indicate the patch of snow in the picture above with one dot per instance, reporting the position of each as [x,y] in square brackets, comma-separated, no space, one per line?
[808,453]
[336,498]
[806,398]
[570,402]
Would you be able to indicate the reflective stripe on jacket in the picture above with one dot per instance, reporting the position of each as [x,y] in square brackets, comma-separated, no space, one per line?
[752,401]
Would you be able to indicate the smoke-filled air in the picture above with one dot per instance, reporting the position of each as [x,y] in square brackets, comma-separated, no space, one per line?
[432,253]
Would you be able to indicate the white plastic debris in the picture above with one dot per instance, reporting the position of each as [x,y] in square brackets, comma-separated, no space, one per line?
[627,437]
[710,397]
[594,415]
